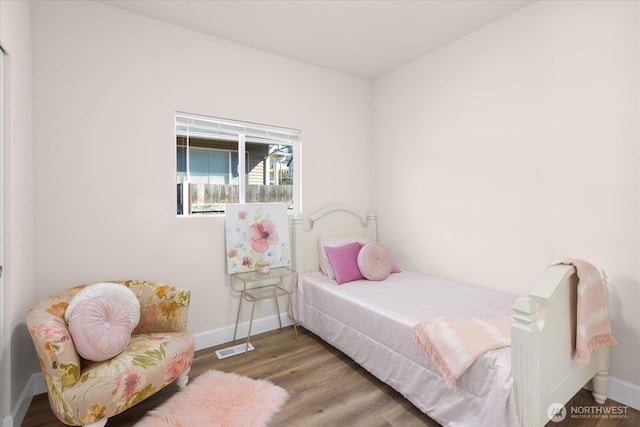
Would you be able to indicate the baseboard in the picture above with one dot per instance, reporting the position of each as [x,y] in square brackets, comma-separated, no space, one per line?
[624,392]
[224,335]
[34,386]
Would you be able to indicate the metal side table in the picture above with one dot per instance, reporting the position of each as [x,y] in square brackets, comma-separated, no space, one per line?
[254,286]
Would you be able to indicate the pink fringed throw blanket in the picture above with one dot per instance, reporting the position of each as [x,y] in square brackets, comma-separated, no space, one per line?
[592,319]
[453,344]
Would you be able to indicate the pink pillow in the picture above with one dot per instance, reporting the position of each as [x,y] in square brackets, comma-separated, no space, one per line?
[324,242]
[374,261]
[100,328]
[344,261]
[113,290]
[394,266]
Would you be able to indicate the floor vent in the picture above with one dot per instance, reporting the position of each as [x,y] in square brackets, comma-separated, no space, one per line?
[232,351]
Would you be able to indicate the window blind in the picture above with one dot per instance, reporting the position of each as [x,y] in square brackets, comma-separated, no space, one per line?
[193,125]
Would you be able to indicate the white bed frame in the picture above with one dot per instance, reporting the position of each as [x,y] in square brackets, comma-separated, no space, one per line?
[543,369]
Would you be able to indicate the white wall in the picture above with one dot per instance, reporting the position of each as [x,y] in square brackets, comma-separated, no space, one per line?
[107,83]
[515,145]
[18,204]
[512,146]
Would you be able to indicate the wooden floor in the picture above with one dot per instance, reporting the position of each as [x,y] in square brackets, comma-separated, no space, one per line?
[326,388]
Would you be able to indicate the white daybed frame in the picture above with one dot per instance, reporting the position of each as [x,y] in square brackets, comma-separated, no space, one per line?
[543,369]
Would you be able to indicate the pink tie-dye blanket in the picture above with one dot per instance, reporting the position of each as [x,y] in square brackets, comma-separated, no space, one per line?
[453,344]
[592,318]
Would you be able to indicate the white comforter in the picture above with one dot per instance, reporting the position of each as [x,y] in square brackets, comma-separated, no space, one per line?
[372,323]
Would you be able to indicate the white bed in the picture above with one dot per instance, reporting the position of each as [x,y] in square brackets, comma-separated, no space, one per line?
[372,323]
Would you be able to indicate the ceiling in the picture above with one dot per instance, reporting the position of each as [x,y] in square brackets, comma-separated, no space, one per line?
[358,37]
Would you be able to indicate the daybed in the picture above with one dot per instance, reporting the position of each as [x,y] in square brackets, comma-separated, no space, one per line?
[372,322]
[159,351]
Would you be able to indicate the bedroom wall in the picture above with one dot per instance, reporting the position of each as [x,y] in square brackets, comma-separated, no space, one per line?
[106,86]
[18,204]
[516,145]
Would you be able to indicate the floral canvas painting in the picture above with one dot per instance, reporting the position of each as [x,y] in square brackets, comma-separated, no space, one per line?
[257,233]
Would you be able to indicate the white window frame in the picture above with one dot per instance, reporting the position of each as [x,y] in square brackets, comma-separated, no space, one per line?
[194,125]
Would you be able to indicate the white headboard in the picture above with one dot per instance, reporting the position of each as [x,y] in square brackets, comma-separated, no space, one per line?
[331,221]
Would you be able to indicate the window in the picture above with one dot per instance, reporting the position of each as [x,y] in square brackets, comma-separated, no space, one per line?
[220,161]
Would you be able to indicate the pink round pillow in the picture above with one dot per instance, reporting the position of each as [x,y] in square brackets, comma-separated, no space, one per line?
[374,261]
[116,291]
[100,328]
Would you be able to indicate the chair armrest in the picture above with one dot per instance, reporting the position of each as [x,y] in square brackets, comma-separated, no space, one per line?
[163,308]
[57,355]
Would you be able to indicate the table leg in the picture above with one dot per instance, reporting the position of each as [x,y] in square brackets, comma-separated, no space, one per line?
[235,331]
[278,312]
[246,349]
[293,316]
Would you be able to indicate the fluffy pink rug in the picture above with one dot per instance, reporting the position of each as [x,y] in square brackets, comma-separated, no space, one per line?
[219,399]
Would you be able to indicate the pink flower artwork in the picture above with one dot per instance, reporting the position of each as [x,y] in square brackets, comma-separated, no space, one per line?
[256,234]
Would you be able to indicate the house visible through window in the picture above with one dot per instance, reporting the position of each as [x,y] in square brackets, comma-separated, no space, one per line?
[220,161]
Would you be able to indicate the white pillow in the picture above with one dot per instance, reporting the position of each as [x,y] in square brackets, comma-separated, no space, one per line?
[325,264]
[117,291]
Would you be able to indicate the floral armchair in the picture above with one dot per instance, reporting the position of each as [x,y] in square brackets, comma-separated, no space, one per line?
[87,393]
